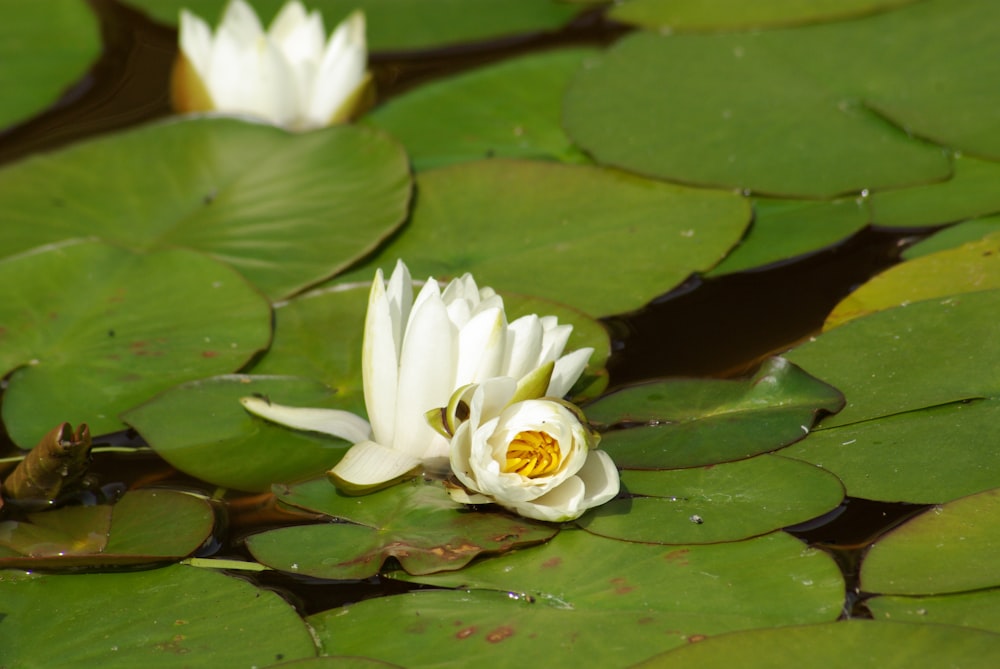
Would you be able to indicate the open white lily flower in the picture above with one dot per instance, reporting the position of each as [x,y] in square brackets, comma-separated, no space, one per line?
[534,457]
[290,76]
[417,352]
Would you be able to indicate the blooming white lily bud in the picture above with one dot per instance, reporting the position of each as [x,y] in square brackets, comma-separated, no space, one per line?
[535,457]
[289,76]
[416,353]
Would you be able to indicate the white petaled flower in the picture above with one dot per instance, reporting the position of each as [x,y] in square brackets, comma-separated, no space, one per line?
[535,457]
[290,76]
[417,352]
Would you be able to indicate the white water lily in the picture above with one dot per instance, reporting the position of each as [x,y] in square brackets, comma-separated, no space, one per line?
[535,457]
[290,76]
[417,352]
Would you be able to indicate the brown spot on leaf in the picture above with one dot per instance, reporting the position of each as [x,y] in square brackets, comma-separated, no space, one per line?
[678,556]
[500,633]
[466,632]
[209,354]
[621,586]
[695,638]
[552,562]
[646,620]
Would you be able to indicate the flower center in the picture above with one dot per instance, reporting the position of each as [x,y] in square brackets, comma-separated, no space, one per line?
[532,454]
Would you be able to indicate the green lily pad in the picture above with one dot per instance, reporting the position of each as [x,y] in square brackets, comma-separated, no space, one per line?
[726,502]
[202,429]
[948,548]
[88,330]
[922,355]
[43,52]
[694,422]
[684,15]
[540,228]
[512,110]
[980,609]
[956,235]
[973,190]
[341,662]
[398,26]
[286,210]
[927,457]
[155,618]
[416,522]
[597,602]
[972,267]
[841,645]
[784,229]
[145,526]
[732,116]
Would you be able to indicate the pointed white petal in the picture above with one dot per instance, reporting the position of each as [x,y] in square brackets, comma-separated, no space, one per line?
[567,370]
[242,21]
[342,424]
[196,43]
[399,292]
[524,346]
[368,465]
[554,341]
[481,347]
[600,478]
[380,361]
[341,69]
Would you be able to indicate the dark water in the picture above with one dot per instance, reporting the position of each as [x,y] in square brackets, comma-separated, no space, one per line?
[719,327]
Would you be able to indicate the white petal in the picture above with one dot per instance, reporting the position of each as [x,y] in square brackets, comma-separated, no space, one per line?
[600,479]
[481,347]
[399,293]
[341,70]
[369,465]
[196,43]
[558,505]
[343,424]
[524,346]
[380,362]
[554,340]
[567,370]
[241,19]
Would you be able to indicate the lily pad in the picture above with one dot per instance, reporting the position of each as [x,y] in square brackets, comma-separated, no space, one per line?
[286,210]
[692,15]
[954,236]
[930,456]
[784,229]
[842,645]
[732,116]
[202,429]
[694,422]
[43,52]
[922,355]
[948,548]
[980,609]
[599,602]
[88,330]
[542,228]
[151,619]
[398,26]
[145,526]
[726,502]
[972,267]
[511,110]
[416,522]
[973,190]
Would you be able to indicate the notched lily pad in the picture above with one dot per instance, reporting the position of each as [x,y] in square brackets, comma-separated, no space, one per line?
[980,609]
[693,422]
[416,523]
[145,526]
[725,502]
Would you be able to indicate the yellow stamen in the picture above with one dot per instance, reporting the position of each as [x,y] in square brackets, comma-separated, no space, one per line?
[532,454]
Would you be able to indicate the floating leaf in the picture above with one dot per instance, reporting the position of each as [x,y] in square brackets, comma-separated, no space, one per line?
[973,190]
[540,228]
[286,210]
[841,645]
[954,236]
[43,52]
[693,422]
[88,330]
[784,229]
[144,526]
[682,15]
[979,609]
[56,462]
[922,355]
[948,548]
[972,267]
[726,502]
[598,602]
[415,522]
[929,456]
[396,26]
[202,429]
[149,619]
[511,110]
[732,115]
